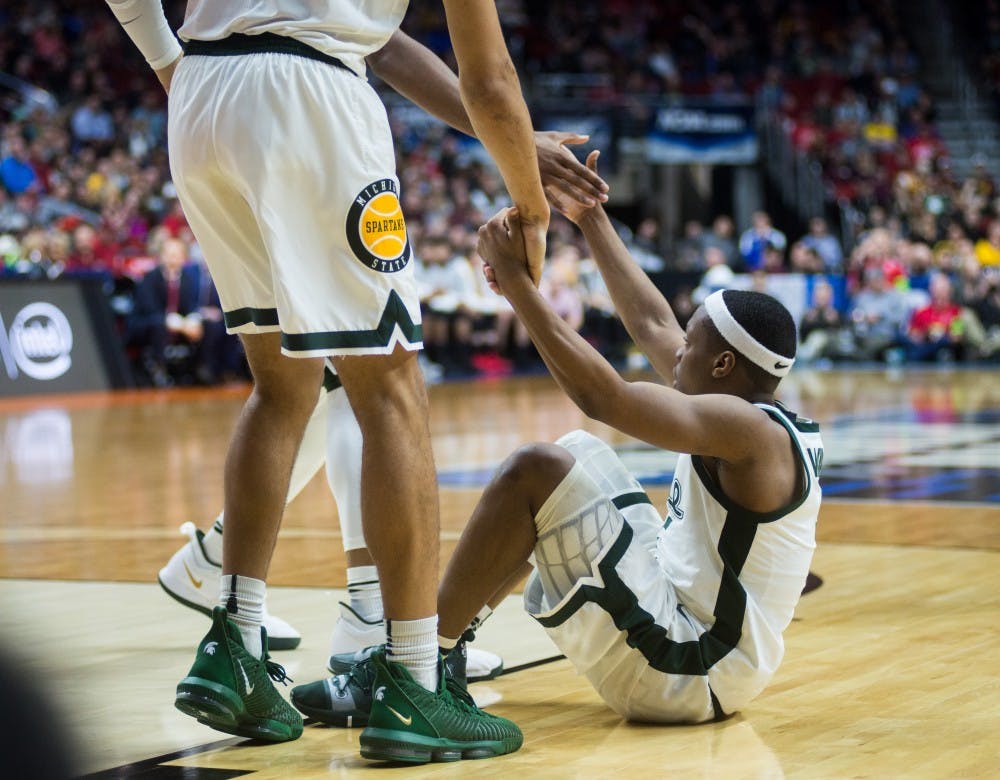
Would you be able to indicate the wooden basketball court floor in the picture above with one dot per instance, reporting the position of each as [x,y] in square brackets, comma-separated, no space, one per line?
[892,667]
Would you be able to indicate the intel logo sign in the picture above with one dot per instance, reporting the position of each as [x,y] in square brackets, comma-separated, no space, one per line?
[41,340]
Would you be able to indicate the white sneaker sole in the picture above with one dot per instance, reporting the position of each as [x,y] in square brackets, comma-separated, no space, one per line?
[482,665]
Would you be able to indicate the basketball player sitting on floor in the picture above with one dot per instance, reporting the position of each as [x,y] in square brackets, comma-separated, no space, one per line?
[675,619]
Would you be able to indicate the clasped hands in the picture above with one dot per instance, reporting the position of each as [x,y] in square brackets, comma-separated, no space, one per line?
[502,241]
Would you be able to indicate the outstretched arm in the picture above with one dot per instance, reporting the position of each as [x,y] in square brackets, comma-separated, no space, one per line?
[420,76]
[723,426]
[645,312]
[491,94]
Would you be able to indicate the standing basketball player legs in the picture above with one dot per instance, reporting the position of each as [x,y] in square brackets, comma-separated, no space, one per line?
[262,451]
[399,506]
[258,468]
[399,510]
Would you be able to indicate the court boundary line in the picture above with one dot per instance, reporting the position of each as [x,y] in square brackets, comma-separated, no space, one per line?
[136,768]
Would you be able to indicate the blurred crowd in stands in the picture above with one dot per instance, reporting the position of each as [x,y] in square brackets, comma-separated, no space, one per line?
[913,275]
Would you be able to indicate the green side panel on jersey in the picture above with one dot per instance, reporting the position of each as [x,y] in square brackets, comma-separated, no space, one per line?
[626,500]
[643,633]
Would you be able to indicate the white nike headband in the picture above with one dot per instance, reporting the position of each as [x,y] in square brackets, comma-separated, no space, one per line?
[743,342]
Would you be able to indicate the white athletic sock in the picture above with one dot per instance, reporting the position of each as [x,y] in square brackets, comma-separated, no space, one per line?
[413,643]
[211,542]
[365,592]
[243,598]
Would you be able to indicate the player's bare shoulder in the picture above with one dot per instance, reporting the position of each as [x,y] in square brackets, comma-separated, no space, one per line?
[734,429]
[775,472]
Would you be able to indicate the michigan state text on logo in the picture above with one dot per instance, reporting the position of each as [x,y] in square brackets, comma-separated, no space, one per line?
[376,230]
[38,344]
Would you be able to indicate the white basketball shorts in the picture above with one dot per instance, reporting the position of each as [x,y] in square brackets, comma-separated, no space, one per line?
[601,595]
[286,172]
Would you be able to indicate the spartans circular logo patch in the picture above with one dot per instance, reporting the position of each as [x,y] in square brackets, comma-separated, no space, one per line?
[376,230]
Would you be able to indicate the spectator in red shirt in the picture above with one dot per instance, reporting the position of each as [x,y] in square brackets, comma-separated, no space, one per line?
[807,133]
[923,143]
[937,331]
[90,255]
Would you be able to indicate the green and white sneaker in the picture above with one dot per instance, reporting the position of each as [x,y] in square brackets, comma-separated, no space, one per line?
[345,699]
[411,724]
[355,639]
[342,700]
[231,691]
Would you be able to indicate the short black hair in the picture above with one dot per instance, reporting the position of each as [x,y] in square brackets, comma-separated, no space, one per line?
[768,321]
[764,318]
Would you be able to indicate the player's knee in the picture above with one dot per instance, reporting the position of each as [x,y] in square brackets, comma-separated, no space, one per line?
[295,390]
[535,470]
[400,407]
[385,387]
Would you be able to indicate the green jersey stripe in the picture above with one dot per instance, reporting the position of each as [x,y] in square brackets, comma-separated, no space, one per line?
[260,317]
[626,500]
[394,315]
[643,633]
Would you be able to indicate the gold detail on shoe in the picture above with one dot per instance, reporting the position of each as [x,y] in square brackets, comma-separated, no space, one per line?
[196,583]
[405,721]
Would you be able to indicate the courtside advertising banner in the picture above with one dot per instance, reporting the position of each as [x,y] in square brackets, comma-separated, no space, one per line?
[48,342]
[708,133]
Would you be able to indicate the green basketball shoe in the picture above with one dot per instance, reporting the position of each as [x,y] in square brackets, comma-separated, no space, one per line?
[409,723]
[346,698]
[231,691]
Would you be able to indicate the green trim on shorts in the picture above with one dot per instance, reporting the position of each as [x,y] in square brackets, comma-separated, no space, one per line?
[644,634]
[247,315]
[625,500]
[394,315]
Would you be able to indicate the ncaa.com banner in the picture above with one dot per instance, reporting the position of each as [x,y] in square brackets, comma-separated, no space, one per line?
[703,133]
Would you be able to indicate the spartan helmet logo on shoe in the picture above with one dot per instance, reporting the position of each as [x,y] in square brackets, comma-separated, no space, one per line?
[210,648]
[380,693]
[376,230]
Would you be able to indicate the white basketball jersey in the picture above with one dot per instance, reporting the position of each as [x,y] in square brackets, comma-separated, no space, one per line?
[349,30]
[739,574]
